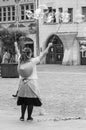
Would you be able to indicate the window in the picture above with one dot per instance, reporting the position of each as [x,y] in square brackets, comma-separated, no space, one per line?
[84,13]
[83,51]
[13,13]
[70,11]
[27,8]
[65,16]
[30,7]
[60,10]
[0,14]
[4,13]
[22,12]
[49,15]
[9,13]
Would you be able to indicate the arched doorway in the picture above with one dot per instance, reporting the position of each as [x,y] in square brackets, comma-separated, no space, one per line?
[55,54]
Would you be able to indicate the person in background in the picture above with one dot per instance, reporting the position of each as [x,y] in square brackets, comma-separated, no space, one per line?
[6,57]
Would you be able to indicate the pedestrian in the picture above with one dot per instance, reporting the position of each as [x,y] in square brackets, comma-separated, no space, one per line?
[6,57]
[28,92]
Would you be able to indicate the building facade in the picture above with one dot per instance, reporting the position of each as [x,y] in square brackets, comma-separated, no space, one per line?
[67,31]
[13,16]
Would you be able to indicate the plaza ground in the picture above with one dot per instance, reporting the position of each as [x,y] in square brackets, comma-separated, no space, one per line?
[63,93]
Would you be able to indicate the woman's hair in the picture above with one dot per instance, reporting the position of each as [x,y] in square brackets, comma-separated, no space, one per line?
[25,55]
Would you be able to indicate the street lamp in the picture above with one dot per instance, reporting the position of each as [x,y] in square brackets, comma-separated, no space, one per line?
[17,12]
[38,14]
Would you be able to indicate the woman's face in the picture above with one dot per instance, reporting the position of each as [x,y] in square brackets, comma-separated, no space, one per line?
[30,55]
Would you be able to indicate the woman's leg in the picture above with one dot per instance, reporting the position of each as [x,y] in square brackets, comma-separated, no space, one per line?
[23,109]
[30,110]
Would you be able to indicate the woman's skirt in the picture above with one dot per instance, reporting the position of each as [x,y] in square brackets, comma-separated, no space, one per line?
[28,93]
[29,101]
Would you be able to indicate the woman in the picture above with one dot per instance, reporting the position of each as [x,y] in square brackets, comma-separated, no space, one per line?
[28,93]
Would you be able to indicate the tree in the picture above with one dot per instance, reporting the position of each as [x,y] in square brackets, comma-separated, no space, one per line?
[8,38]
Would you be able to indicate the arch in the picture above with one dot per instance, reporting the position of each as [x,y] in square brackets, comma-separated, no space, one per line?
[29,40]
[55,54]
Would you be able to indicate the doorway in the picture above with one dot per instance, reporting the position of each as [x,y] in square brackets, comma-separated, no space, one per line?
[56,52]
[83,52]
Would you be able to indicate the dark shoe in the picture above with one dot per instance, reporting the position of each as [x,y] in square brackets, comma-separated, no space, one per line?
[21,119]
[14,95]
[29,119]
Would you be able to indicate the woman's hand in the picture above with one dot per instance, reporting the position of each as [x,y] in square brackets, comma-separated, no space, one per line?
[44,53]
[50,44]
[15,43]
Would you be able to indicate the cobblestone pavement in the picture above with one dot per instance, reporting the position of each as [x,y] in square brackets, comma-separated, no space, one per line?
[63,92]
